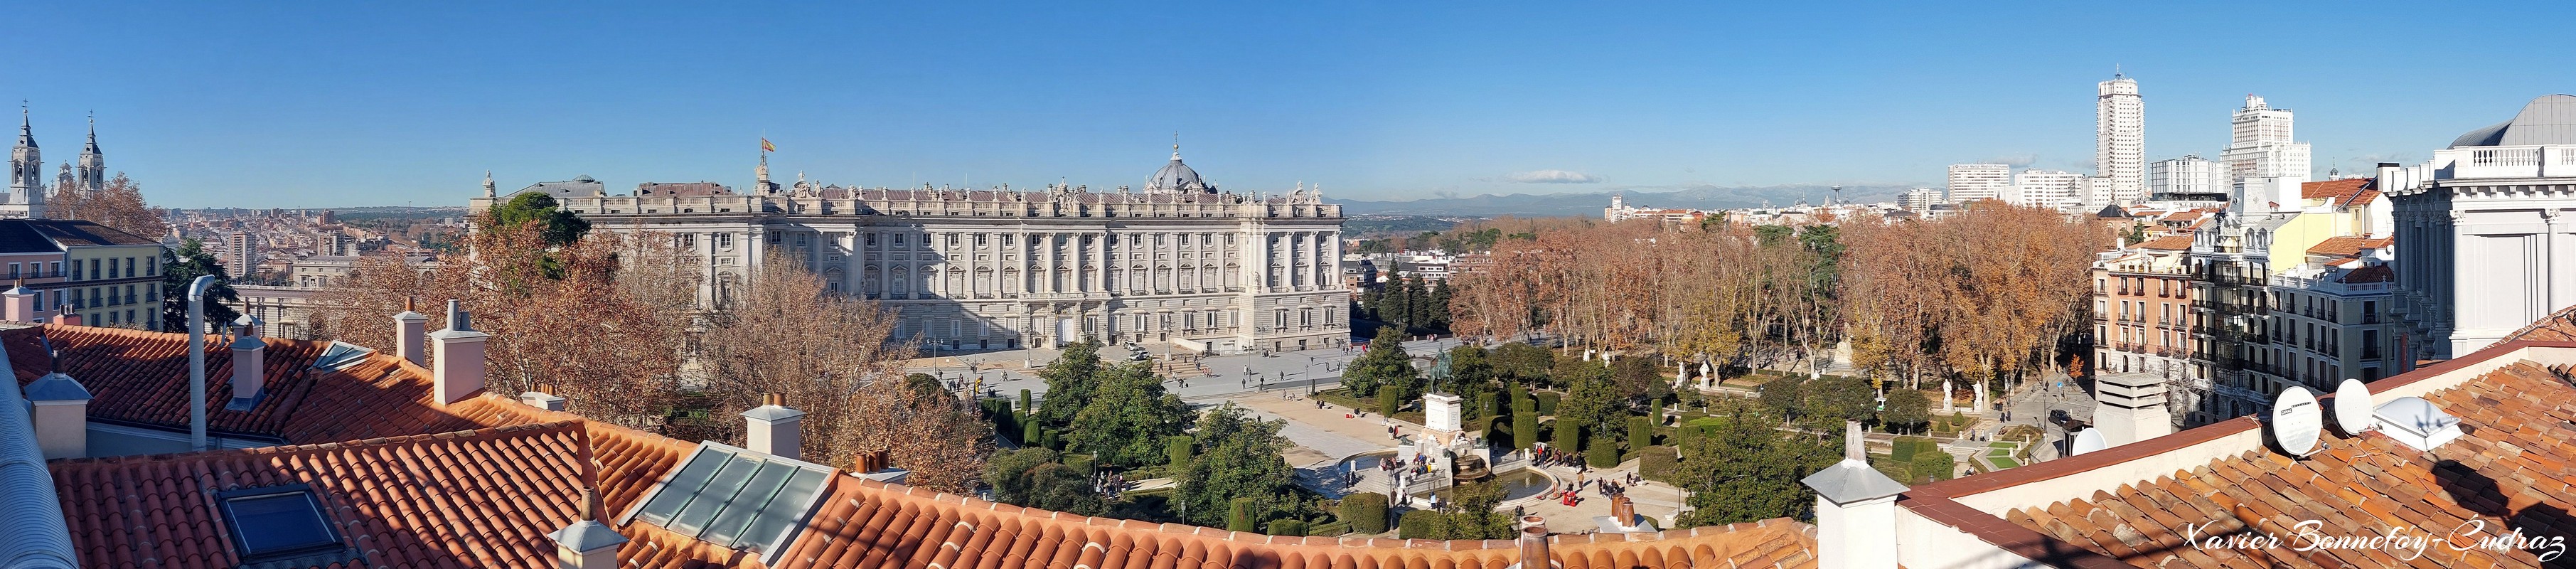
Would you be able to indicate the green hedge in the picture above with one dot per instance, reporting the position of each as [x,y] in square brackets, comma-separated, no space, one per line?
[1641,432]
[1659,464]
[1525,430]
[1569,434]
[1416,524]
[1365,512]
[1933,466]
[1604,453]
[1906,448]
[1238,515]
[1295,528]
[1329,530]
[1176,450]
[1547,401]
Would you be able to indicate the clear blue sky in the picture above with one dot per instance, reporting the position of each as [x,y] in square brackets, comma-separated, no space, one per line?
[341,104]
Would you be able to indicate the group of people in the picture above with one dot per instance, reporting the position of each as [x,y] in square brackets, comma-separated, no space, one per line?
[1109,484]
[1546,456]
[1417,465]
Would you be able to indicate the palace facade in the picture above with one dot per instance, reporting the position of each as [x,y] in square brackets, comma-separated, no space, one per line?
[1177,262]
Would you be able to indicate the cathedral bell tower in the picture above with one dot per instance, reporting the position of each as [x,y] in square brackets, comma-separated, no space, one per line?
[92,173]
[26,168]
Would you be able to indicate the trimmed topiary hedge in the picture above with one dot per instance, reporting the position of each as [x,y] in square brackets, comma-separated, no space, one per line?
[1604,453]
[1176,450]
[1659,464]
[1366,513]
[1641,432]
[1238,516]
[1547,401]
[1293,528]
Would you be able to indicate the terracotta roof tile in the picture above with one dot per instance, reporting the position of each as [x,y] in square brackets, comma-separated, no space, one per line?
[2512,469]
[2341,190]
[2167,243]
[480,482]
[2348,246]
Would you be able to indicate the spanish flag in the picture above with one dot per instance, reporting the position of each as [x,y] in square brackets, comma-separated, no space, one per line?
[765,146]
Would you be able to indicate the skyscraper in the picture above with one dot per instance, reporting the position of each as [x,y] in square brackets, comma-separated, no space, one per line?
[1972,182]
[2120,141]
[2264,165]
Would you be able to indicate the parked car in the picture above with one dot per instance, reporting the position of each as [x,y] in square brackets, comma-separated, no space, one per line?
[2067,422]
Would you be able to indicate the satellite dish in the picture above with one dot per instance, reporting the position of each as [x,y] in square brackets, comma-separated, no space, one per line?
[2352,409]
[2088,440]
[2296,421]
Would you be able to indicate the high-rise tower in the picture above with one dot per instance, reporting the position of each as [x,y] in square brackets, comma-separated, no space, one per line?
[2119,142]
[2264,165]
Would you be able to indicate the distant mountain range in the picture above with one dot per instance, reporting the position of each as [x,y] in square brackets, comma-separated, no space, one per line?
[1700,197]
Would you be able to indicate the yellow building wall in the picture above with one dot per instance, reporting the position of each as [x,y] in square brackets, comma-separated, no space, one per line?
[2290,243]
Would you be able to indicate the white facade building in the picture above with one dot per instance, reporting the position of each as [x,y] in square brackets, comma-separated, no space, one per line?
[2119,142]
[1972,182]
[2483,230]
[2264,165]
[1919,199]
[999,269]
[2054,189]
[2189,178]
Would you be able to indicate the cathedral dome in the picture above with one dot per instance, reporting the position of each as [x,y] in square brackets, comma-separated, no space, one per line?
[2550,119]
[1177,177]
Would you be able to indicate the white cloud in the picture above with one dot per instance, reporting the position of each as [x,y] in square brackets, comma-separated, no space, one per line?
[1551,177]
[2016,160]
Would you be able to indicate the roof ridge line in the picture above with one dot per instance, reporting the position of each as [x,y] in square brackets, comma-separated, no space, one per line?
[504,431]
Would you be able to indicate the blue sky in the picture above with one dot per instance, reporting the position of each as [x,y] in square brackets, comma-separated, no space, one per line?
[343,104]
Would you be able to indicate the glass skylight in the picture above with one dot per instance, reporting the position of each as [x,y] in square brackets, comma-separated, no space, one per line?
[276,522]
[735,498]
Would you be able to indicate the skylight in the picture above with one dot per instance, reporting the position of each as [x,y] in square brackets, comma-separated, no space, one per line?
[276,522]
[735,498]
[340,354]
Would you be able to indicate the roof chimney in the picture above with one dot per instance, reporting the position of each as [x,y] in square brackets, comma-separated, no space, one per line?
[1533,543]
[18,304]
[586,543]
[69,319]
[459,367]
[1855,510]
[774,428]
[2130,407]
[250,364]
[61,416]
[410,328]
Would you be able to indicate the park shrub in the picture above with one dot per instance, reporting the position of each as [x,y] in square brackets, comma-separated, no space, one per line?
[1238,515]
[1386,402]
[1417,524]
[1082,463]
[1547,401]
[1329,529]
[1603,453]
[1025,402]
[1365,513]
[1292,528]
[1933,465]
[1177,451]
[1641,432]
[1047,438]
[1569,434]
[1525,430]
[1905,448]
[1031,434]
[1688,435]
[1659,463]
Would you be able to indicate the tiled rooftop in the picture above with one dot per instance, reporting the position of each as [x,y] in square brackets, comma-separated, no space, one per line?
[2347,246]
[2512,469]
[2340,190]
[498,475]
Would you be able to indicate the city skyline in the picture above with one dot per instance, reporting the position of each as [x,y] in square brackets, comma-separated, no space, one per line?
[1377,104]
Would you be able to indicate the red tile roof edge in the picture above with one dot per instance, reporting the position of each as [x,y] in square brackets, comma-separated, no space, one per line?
[574,426]
[1934,501]
[2038,547]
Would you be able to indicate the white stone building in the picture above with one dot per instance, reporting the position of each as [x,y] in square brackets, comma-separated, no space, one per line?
[2483,231]
[2054,189]
[1178,261]
[2187,179]
[2264,164]
[2119,142]
[1972,182]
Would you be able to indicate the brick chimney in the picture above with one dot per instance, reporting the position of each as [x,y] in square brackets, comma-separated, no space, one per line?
[69,319]
[61,416]
[774,428]
[410,328]
[250,364]
[586,543]
[18,304]
[1855,510]
[459,367]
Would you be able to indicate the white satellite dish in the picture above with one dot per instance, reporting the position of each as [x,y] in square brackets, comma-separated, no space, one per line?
[2297,422]
[2352,409]
[2088,440]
